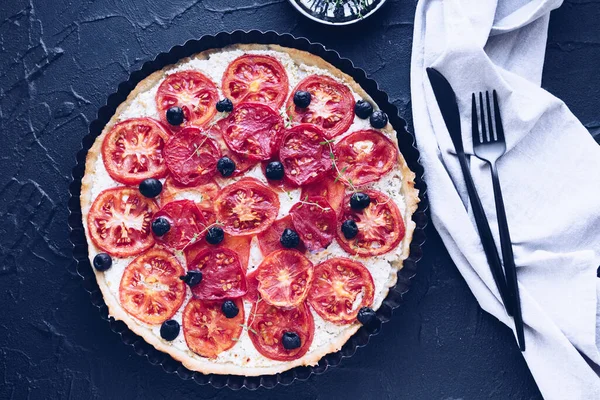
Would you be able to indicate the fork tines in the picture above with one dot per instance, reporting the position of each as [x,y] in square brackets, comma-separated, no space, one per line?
[487,133]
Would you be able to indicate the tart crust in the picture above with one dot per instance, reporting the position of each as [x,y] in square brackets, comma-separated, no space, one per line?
[409,192]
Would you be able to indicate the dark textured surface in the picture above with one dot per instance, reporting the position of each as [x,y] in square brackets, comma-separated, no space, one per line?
[59,61]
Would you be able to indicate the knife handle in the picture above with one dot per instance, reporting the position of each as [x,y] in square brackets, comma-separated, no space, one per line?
[485,234]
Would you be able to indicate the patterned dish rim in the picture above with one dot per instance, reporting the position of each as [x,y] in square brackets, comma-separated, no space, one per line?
[311,14]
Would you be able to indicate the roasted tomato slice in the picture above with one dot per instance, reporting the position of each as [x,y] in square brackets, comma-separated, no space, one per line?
[203,195]
[222,274]
[242,162]
[191,157]
[284,278]
[315,221]
[133,150]
[256,78]
[267,324]
[269,240]
[239,244]
[150,288]
[246,207]
[119,221]
[329,187]
[187,224]
[195,93]
[380,226]
[304,154]
[331,107]
[253,130]
[207,331]
[341,287]
[252,294]
[365,156]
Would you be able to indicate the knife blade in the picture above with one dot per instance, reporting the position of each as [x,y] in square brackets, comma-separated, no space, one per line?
[446,99]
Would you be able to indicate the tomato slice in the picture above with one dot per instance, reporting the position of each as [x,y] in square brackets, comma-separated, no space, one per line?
[119,221]
[191,157]
[187,224]
[195,93]
[203,195]
[246,207]
[253,130]
[150,288]
[269,240]
[222,274]
[239,244]
[315,221]
[242,162]
[252,294]
[267,324]
[329,187]
[331,107]
[365,156]
[284,278]
[341,288]
[304,155]
[256,78]
[207,331]
[133,150]
[380,226]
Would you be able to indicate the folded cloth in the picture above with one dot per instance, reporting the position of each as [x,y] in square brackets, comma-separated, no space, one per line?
[550,177]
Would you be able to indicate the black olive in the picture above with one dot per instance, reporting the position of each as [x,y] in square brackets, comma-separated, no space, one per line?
[367,317]
[102,261]
[274,170]
[290,340]
[215,235]
[230,309]
[175,116]
[363,109]
[192,278]
[150,187]
[349,229]
[289,238]
[224,105]
[169,330]
[359,201]
[378,119]
[160,226]
[226,166]
[302,99]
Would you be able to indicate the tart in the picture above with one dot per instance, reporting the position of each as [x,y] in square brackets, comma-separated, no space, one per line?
[244,213]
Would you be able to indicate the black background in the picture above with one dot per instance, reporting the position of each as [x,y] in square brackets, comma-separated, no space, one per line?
[59,60]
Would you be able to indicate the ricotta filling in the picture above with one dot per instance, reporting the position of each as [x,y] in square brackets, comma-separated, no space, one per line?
[243,353]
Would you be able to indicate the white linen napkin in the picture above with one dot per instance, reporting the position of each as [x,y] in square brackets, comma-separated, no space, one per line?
[550,177]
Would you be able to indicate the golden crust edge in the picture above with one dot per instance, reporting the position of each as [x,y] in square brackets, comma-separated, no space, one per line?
[410,194]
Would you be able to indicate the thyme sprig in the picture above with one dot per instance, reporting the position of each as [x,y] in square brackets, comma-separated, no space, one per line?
[303,202]
[197,148]
[247,327]
[287,118]
[196,235]
[339,173]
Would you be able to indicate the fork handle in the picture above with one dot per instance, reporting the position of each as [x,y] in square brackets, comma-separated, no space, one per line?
[485,233]
[508,257]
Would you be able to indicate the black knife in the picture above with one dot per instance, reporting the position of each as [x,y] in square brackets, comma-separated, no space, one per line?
[446,100]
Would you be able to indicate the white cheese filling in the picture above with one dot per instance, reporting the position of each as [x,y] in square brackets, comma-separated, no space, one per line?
[380,267]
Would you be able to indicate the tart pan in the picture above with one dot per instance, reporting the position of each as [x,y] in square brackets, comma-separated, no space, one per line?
[406,143]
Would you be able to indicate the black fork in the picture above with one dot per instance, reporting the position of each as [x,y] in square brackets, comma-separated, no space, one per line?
[489,145]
